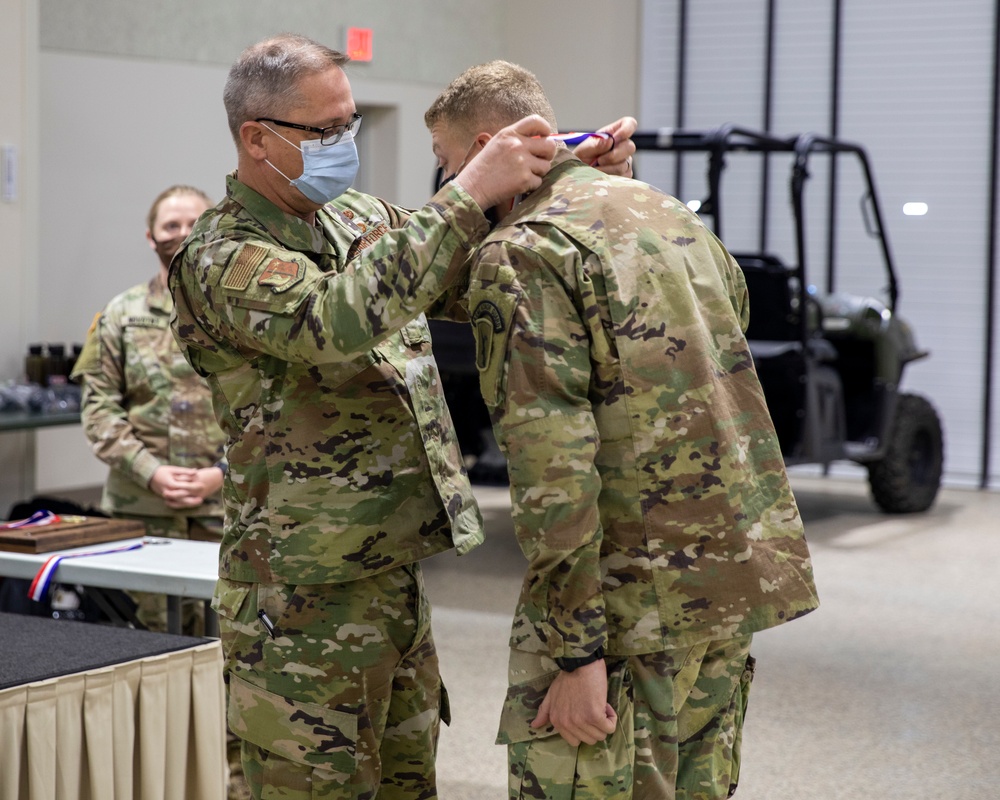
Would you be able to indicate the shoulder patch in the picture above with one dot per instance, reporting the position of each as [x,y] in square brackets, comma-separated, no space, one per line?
[94,323]
[279,275]
[241,270]
[487,310]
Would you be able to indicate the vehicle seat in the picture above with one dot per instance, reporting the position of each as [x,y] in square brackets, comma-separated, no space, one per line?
[774,305]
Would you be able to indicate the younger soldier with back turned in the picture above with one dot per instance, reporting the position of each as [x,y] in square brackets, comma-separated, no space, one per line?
[649,493]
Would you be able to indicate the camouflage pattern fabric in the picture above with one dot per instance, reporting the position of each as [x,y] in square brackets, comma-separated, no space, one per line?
[143,406]
[344,461]
[541,763]
[679,734]
[344,471]
[344,700]
[649,493]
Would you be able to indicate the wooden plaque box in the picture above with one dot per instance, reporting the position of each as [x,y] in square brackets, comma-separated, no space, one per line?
[63,535]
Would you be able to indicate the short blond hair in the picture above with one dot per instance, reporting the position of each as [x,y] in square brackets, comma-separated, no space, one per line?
[488,97]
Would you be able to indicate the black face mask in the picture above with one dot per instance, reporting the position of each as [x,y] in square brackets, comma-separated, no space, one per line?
[493,216]
[440,180]
[166,248]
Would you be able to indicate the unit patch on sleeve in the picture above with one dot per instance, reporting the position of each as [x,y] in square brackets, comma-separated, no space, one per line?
[280,275]
[240,271]
[488,311]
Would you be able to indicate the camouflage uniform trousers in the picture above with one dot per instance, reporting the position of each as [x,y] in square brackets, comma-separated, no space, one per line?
[680,723]
[344,698]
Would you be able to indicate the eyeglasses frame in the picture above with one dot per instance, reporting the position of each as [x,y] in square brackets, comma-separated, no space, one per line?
[352,126]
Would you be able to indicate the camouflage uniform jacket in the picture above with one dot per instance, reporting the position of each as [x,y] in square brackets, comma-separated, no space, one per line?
[143,406]
[649,492]
[343,458]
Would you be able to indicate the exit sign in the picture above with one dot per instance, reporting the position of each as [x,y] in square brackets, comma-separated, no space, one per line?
[359,44]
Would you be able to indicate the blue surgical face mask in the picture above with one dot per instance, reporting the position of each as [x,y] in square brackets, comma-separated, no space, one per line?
[327,170]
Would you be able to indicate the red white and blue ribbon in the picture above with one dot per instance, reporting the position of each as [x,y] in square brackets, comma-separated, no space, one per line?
[576,137]
[40,585]
[36,520]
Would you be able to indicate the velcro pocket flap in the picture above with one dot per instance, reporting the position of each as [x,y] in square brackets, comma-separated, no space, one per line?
[416,332]
[305,733]
[520,707]
[229,597]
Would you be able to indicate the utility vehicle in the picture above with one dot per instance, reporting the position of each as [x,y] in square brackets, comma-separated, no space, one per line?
[830,362]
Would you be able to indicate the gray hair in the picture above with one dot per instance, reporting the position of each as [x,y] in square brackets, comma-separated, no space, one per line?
[264,81]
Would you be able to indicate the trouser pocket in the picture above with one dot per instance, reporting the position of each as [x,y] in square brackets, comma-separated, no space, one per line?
[292,749]
[543,764]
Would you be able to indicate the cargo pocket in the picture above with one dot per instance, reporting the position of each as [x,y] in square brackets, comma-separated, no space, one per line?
[492,304]
[304,733]
[229,601]
[543,764]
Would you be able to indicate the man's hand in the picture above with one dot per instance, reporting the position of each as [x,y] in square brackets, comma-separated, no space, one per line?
[184,487]
[512,162]
[576,705]
[600,154]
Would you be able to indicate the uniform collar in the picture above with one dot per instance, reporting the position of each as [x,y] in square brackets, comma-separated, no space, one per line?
[291,231]
[562,161]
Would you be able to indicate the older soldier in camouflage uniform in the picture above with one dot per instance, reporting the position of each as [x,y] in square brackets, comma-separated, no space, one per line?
[306,318]
[649,493]
[147,414]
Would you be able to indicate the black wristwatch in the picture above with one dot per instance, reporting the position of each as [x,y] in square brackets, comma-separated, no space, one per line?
[570,664]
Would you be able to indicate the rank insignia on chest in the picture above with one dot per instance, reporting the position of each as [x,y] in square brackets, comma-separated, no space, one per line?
[279,275]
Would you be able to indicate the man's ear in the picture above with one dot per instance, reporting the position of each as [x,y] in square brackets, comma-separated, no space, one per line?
[252,138]
[482,138]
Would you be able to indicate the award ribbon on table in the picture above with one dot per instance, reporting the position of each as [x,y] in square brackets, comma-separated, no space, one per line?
[40,585]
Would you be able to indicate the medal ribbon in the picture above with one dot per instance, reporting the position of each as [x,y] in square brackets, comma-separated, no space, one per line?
[36,520]
[40,585]
[576,137]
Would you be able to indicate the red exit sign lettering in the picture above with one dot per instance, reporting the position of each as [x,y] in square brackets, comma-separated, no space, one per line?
[359,44]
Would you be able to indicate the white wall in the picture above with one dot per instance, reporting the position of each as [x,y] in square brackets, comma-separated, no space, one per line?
[18,224]
[585,53]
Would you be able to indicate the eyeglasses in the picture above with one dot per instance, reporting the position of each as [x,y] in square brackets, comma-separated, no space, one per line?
[327,136]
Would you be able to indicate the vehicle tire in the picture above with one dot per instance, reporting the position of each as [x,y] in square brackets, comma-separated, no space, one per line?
[907,479]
